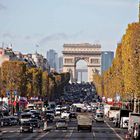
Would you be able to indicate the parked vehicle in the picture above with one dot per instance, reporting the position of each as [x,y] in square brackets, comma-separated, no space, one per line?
[112,112]
[122,113]
[5,121]
[133,119]
[124,122]
[84,121]
[106,109]
[62,123]
[26,127]
[133,133]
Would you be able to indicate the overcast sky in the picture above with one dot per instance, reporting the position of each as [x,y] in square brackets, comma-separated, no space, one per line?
[51,23]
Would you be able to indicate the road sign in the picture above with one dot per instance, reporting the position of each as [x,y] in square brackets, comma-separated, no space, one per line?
[7,93]
[15,92]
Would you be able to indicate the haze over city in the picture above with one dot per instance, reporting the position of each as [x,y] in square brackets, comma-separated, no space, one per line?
[51,23]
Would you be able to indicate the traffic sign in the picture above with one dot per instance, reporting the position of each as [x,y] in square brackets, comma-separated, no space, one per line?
[15,92]
[7,93]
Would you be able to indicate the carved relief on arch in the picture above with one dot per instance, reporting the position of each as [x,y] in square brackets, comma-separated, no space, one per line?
[82,58]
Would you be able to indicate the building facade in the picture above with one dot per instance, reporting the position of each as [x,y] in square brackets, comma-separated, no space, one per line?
[7,54]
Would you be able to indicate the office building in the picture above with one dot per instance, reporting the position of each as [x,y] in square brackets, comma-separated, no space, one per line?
[107,57]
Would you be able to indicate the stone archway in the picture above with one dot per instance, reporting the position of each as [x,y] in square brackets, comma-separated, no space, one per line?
[75,52]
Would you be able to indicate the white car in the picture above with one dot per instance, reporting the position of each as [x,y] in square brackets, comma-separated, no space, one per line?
[99,117]
[124,122]
[58,111]
[65,115]
[61,124]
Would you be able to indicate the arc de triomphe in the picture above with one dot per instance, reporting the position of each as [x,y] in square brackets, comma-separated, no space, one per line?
[72,53]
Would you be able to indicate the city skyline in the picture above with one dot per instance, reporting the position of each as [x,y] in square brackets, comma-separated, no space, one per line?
[49,24]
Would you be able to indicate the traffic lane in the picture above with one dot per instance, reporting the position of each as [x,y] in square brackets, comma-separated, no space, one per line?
[17,136]
[59,134]
[14,133]
[73,134]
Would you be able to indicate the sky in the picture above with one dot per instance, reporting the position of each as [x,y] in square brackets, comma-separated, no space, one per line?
[40,25]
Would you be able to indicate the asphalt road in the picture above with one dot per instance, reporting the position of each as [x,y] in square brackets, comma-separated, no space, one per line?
[100,131]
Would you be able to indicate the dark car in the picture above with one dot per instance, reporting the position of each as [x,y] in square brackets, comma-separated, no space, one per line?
[13,120]
[35,123]
[5,121]
[49,117]
[26,127]
[72,115]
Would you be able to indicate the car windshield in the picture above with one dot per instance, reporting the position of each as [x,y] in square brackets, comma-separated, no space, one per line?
[33,120]
[26,116]
[99,115]
[62,121]
[49,112]
[26,124]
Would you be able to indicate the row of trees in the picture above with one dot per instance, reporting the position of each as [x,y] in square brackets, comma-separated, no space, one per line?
[30,82]
[123,77]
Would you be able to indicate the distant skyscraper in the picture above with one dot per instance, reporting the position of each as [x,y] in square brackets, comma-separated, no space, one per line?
[52,58]
[107,57]
[60,64]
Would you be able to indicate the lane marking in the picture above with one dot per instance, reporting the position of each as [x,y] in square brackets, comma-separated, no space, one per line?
[93,134]
[40,137]
[31,136]
[68,135]
[114,131]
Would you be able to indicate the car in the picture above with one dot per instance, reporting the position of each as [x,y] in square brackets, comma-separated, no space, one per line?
[6,121]
[0,134]
[49,117]
[72,115]
[99,117]
[62,123]
[65,115]
[13,120]
[26,127]
[35,122]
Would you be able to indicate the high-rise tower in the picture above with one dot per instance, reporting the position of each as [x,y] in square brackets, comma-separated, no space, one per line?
[139,12]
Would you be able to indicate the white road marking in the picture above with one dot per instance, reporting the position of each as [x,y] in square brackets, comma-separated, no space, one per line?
[93,134]
[68,135]
[30,137]
[114,131]
[41,136]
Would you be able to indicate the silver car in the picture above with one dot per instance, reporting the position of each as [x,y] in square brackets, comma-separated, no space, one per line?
[62,123]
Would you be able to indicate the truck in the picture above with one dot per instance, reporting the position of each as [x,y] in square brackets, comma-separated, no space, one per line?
[133,119]
[84,121]
[119,117]
[134,126]
[113,111]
